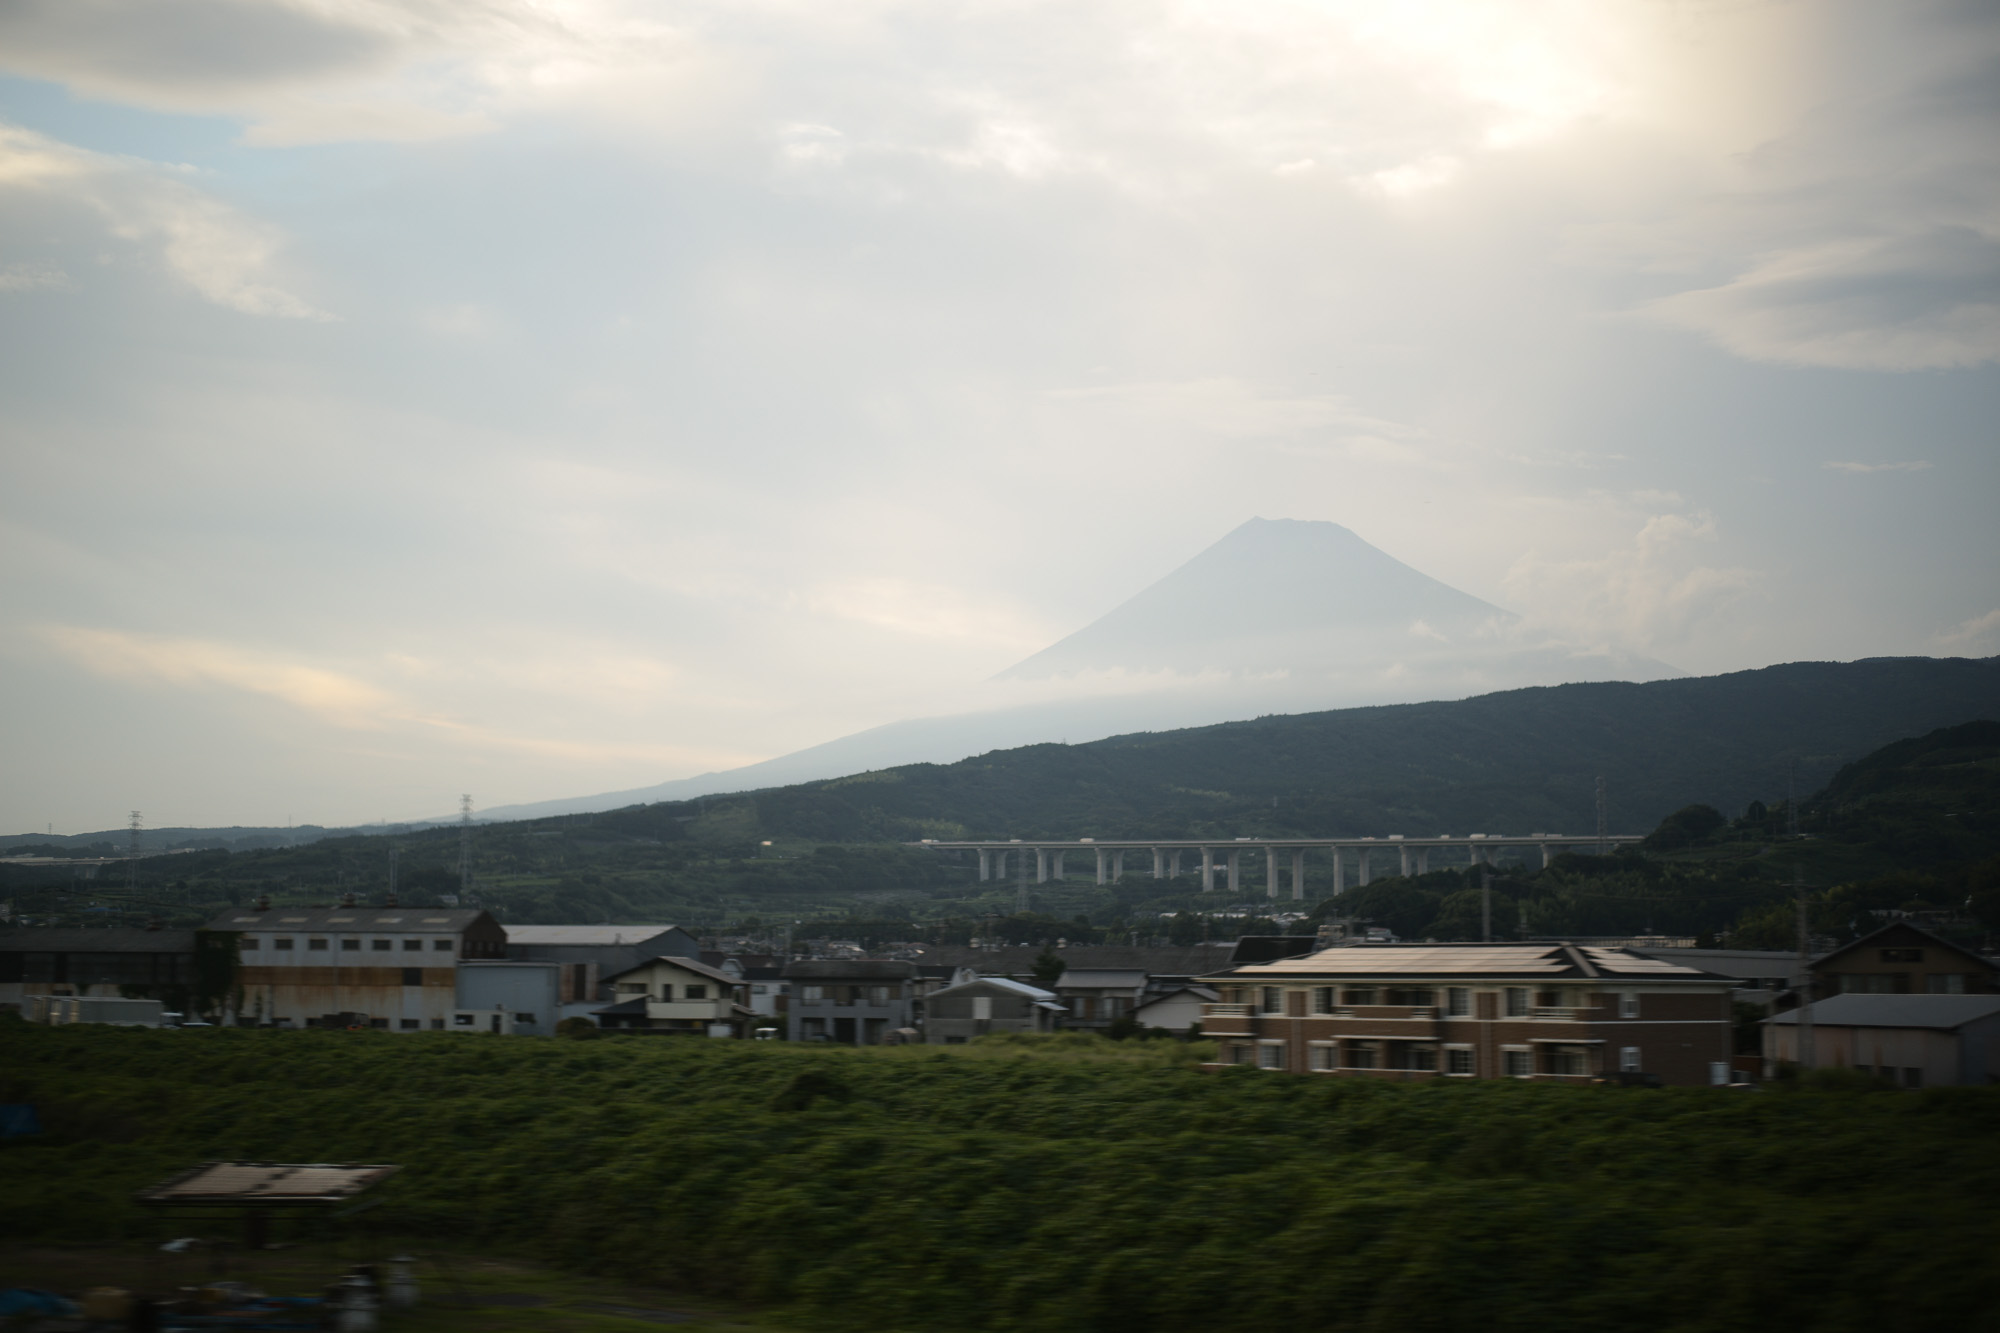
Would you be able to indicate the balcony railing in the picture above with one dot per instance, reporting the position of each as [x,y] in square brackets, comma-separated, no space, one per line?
[1227,1010]
[1570,1013]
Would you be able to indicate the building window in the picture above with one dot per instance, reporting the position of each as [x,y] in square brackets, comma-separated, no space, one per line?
[1271,1000]
[1628,1005]
[1572,1062]
[759,990]
[248,943]
[812,1029]
[413,976]
[350,945]
[378,1022]
[1360,1055]
[441,946]
[812,994]
[1458,1062]
[1415,998]
[282,942]
[1358,995]
[1517,1002]
[878,996]
[1945,983]
[1322,999]
[1902,955]
[412,946]
[316,944]
[1239,1054]
[1424,1059]
[529,1019]
[1519,1064]
[411,1024]
[1270,1056]
[697,992]
[1457,1002]
[462,1020]
[1628,1060]
[1326,1057]
[382,946]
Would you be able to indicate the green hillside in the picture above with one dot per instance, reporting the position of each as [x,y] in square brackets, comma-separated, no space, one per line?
[1059,1186]
[1518,762]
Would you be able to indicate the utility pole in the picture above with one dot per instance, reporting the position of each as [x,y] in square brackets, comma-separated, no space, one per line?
[393,854]
[1486,903]
[1603,820]
[1805,1051]
[465,849]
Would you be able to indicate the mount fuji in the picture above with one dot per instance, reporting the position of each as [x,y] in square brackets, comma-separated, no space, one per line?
[1279,616]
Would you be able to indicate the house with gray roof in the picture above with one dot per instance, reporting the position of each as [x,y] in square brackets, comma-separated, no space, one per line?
[980,1005]
[852,1001]
[1915,1041]
[590,956]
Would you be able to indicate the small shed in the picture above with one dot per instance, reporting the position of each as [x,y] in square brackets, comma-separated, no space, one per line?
[1177,1010]
[1915,1040]
[956,1014]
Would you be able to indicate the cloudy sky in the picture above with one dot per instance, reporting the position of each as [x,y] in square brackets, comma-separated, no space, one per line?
[413,397]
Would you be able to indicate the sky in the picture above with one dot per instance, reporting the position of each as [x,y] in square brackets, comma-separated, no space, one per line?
[402,398]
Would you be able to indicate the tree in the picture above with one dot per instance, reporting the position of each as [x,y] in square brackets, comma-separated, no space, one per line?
[1049,968]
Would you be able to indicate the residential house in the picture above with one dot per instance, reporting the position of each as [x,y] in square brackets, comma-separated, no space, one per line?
[1098,996]
[762,977]
[1917,1041]
[353,966]
[1561,1013]
[979,1005]
[591,955]
[676,995]
[854,1001]
[1177,1008]
[1902,959]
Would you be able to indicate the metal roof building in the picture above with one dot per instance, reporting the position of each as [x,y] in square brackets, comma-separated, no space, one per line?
[1913,1040]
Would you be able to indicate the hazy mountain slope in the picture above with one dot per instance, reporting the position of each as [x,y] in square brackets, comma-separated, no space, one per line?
[1279,616]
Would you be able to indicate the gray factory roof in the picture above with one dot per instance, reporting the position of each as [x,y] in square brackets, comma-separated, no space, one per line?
[576,935]
[1105,978]
[1524,961]
[1940,1012]
[853,969]
[409,920]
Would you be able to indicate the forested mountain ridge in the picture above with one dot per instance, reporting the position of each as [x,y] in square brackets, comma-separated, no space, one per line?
[1520,761]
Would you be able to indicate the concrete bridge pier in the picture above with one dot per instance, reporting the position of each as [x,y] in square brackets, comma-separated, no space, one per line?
[1361,876]
[1235,872]
[1403,860]
[985,864]
[1174,861]
[1207,870]
[1423,860]
[1339,870]
[1298,874]
[1271,872]
[1103,864]
[1041,865]
[1118,865]
[1058,859]
[1548,854]
[1159,864]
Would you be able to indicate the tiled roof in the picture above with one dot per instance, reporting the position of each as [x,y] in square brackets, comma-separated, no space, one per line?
[1524,961]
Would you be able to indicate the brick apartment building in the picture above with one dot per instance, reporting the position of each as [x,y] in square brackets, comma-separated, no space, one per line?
[1559,1013]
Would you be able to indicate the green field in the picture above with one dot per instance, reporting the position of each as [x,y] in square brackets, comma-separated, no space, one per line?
[1067,1184]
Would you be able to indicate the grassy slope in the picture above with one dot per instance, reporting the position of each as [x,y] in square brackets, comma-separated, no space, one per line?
[1057,1188]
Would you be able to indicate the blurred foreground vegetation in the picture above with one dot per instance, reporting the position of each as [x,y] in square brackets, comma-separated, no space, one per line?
[1056,1184]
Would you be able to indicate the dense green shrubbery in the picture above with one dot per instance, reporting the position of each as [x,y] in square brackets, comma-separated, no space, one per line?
[1058,1185]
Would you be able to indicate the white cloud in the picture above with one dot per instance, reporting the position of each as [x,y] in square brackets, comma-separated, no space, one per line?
[1978,636]
[223,255]
[32,277]
[1913,465]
